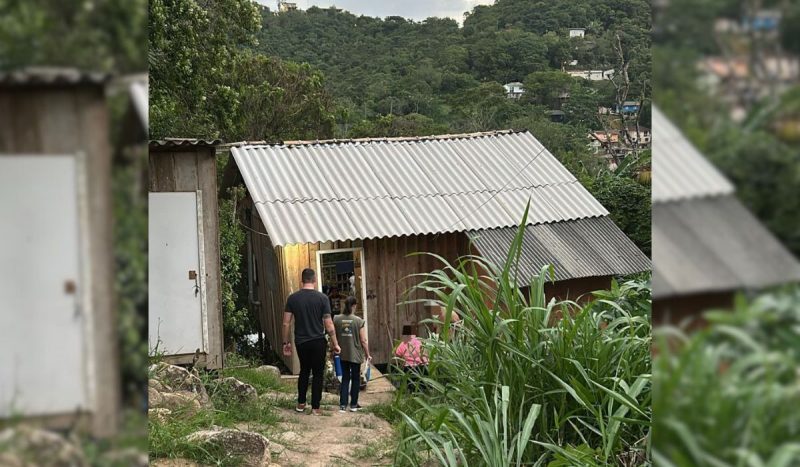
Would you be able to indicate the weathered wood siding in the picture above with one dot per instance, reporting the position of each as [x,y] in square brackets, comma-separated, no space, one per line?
[387,266]
[192,169]
[71,120]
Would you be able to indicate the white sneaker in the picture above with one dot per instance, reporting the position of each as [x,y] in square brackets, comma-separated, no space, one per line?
[342,409]
[356,408]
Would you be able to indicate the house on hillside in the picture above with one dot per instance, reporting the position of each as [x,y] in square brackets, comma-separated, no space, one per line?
[514,90]
[706,244]
[639,136]
[283,7]
[629,107]
[355,211]
[763,21]
[577,32]
[592,75]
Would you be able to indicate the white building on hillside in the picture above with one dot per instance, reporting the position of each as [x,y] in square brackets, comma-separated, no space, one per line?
[514,90]
[576,32]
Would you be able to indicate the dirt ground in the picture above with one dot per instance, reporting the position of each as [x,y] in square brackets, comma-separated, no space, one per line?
[338,439]
[334,439]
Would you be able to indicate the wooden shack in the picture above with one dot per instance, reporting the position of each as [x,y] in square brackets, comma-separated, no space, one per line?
[356,210]
[59,363]
[184,298]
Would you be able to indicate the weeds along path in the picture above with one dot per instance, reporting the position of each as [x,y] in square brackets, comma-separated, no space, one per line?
[337,439]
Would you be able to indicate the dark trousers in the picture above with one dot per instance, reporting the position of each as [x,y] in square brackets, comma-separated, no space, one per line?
[312,362]
[351,383]
[414,374]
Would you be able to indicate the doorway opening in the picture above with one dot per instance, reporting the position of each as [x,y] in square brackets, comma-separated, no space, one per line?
[341,275]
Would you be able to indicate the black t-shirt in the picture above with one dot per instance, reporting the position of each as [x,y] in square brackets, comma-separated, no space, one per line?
[309,307]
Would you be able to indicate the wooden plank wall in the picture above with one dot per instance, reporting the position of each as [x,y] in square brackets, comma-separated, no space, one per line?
[388,267]
[192,169]
[68,120]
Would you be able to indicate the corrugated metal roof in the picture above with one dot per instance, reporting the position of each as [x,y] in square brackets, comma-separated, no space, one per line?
[51,76]
[712,245]
[589,247]
[680,171]
[408,186]
[186,143]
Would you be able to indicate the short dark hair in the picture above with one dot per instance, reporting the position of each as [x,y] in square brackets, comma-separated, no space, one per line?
[349,303]
[309,276]
[407,330]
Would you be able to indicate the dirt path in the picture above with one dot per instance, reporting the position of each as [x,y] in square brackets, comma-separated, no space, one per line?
[337,439]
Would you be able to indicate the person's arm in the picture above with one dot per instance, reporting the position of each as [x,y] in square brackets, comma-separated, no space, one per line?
[326,319]
[287,327]
[400,351]
[364,344]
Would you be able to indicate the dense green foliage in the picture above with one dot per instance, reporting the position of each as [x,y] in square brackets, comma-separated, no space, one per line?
[726,395]
[377,67]
[527,380]
[205,83]
[104,35]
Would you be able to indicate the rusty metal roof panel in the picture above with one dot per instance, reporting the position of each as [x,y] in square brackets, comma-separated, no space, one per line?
[429,185]
[680,171]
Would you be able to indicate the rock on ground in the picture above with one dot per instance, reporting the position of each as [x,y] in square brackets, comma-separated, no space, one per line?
[29,447]
[160,414]
[253,447]
[176,389]
[270,370]
[173,378]
[242,391]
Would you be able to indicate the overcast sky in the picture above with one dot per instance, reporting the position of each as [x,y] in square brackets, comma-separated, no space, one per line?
[414,9]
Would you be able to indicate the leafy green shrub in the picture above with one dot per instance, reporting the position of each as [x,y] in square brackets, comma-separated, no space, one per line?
[728,395]
[512,385]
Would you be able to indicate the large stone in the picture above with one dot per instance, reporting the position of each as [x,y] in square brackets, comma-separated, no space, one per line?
[182,402]
[29,447]
[160,414]
[154,397]
[237,389]
[269,369]
[157,385]
[173,378]
[253,448]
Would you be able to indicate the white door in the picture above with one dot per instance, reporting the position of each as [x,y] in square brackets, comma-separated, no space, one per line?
[44,365]
[175,280]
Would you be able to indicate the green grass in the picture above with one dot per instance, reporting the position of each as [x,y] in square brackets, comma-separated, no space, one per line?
[262,381]
[167,438]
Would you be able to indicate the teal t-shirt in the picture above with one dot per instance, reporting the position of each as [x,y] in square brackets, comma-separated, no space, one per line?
[348,333]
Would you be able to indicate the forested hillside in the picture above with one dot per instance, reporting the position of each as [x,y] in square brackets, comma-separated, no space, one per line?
[452,77]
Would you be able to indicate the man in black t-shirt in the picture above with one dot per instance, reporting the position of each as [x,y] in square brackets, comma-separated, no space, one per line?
[311,311]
